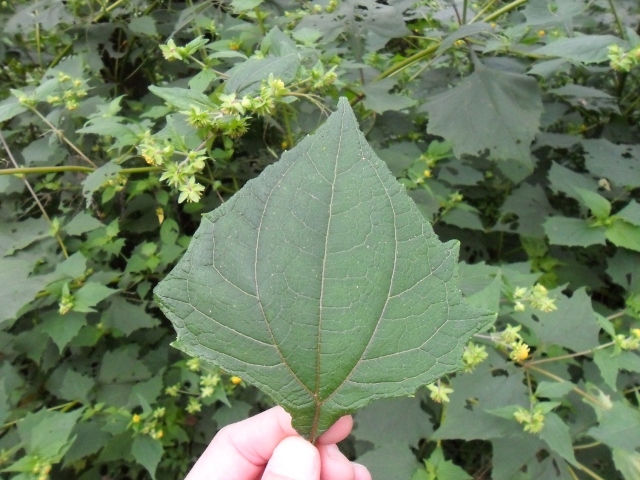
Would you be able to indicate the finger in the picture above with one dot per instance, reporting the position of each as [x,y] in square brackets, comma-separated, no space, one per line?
[335,466]
[241,451]
[337,432]
[293,459]
[361,472]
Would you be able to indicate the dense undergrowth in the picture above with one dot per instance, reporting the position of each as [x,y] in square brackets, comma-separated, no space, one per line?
[513,126]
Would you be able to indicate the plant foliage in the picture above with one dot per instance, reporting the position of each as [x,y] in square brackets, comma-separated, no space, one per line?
[513,126]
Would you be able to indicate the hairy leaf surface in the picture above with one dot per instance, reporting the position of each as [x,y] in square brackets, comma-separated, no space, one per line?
[320,283]
[490,109]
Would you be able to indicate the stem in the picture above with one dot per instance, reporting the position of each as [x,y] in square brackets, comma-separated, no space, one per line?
[505,9]
[408,61]
[260,20]
[570,355]
[483,10]
[107,10]
[70,168]
[589,472]
[582,393]
[587,445]
[616,315]
[465,4]
[35,197]
[618,21]
[61,135]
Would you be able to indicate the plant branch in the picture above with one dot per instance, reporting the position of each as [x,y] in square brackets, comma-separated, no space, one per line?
[569,355]
[618,21]
[580,392]
[483,10]
[35,197]
[505,9]
[61,135]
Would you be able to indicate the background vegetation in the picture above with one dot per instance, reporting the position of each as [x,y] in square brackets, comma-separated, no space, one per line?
[513,125]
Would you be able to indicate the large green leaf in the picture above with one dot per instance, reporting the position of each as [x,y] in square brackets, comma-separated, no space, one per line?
[320,283]
[489,110]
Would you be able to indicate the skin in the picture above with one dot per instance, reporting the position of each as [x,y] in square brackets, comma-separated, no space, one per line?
[266,447]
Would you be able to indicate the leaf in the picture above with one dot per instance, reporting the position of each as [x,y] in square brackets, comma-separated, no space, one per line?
[560,12]
[512,452]
[624,234]
[393,460]
[89,295]
[83,222]
[553,389]
[144,25]
[556,434]
[127,317]
[46,432]
[617,163]
[320,283]
[19,287]
[598,205]
[573,232]
[184,99]
[96,179]
[9,108]
[147,452]
[244,5]
[392,419]
[619,427]
[462,32]
[630,213]
[586,49]
[246,77]
[573,325]
[378,98]
[62,328]
[444,469]
[628,463]
[490,109]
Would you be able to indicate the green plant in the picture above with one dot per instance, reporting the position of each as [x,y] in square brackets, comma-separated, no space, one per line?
[512,125]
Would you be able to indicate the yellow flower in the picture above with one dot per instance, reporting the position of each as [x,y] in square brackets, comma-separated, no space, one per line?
[541,33]
[520,352]
[136,418]
[236,380]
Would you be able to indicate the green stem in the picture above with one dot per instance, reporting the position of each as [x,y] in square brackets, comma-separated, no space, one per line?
[107,10]
[570,355]
[483,10]
[465,5]
[408,62]
[61,135]
[35,197]
[70,168]
[260,20]
[505,9]
[580,392]
[618,21]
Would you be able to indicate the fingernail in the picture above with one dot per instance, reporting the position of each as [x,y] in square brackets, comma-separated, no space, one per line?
[294,458]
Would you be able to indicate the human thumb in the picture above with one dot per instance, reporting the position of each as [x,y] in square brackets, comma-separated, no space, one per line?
[293,459]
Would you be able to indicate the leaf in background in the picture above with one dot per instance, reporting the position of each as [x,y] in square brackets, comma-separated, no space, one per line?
[444,469]
[489,110]
[624,234]
[616,163]
[630,213]
[586,49]
[184,99]
[320,283]
[89,295]
[380,100]
[556,434]
[392,419]
[619,427]
[573,232]
[573,325]
[393,460]
[628,463]
[147,451]
[599,206]
[551,12]
[246,77]
[462,32]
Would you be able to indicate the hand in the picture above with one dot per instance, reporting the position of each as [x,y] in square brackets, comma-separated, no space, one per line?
[266,447]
